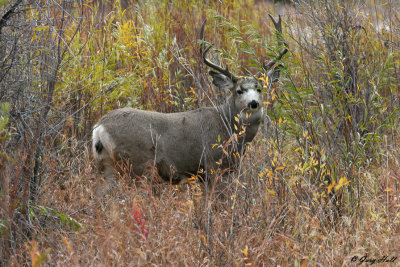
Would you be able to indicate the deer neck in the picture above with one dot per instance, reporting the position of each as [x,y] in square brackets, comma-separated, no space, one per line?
[250,121]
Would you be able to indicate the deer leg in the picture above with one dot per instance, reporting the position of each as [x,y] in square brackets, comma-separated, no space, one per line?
[107,181]
[108,175]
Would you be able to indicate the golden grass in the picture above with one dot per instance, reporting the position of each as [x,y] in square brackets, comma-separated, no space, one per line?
[146,223]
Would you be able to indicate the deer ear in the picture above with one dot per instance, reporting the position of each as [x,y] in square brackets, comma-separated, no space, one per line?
[274,74]
[221,81]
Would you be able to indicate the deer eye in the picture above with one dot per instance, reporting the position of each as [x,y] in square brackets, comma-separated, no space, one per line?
[239,92]
[259,90]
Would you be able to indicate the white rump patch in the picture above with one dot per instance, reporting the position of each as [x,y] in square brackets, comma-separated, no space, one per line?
[100,134]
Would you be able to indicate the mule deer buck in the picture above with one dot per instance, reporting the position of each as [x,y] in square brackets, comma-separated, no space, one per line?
[180,144]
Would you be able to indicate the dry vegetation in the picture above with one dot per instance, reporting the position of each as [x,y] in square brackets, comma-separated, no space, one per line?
[319,185]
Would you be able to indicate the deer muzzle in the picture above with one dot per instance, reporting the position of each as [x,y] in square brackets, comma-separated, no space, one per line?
[253,104]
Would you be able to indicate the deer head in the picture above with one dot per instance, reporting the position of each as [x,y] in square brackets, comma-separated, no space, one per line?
[246,91]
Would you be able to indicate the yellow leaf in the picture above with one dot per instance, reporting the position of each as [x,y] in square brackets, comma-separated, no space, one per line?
[265,80]
[330,187]
[236,137]
[238,182]
[371,81]
[271,191]
[342,182]
[245,251]
[203,239]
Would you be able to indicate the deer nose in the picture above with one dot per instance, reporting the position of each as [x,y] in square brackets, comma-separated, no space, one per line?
[253,104]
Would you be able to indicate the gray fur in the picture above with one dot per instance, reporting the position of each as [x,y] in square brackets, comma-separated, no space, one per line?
[173,142]
[180,144]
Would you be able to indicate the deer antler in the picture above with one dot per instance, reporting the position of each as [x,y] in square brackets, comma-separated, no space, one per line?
[203,52]
[283,51]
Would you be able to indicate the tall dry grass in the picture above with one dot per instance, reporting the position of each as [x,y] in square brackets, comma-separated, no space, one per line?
[318,186]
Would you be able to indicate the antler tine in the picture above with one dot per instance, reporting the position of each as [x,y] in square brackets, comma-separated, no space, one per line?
[203,25]
[278,28]
[283,51]
[269,65]
[203,52]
